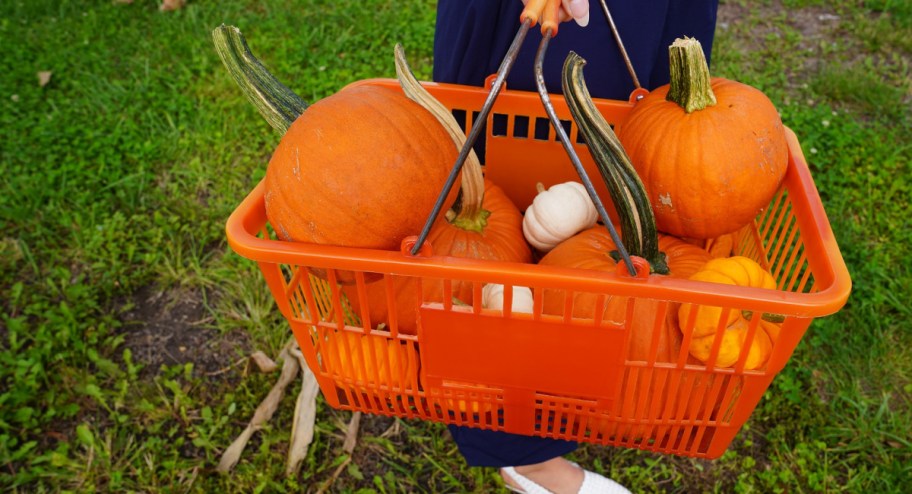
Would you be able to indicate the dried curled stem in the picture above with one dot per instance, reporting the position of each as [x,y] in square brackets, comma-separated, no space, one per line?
[472,188]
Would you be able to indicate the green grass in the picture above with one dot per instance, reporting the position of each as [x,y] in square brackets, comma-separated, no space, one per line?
[119,175]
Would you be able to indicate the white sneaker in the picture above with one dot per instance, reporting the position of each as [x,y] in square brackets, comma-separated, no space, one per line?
[593,483]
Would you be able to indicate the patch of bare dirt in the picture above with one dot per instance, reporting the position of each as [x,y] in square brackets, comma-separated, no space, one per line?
[169,327]
[815,25]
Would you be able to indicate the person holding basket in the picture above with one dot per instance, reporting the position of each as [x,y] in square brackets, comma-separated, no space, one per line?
[471,39]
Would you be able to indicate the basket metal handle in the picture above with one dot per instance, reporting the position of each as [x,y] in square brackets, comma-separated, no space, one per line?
[574,158]
[620,43]
[502,73]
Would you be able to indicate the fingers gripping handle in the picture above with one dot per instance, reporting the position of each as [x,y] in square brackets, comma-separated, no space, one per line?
[532,11]
[546,12]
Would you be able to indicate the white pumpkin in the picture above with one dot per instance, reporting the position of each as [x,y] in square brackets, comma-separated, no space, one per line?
[492,297]
[557,214]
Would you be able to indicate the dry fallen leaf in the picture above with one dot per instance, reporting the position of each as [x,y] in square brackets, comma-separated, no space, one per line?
[351,433]
[167,5]
[264,411]
[44,77]
[263,363]
[302,429]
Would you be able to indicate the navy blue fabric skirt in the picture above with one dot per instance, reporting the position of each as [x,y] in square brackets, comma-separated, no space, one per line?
[471,39]
[483,448]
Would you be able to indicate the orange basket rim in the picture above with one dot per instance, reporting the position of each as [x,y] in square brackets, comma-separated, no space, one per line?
[248,221]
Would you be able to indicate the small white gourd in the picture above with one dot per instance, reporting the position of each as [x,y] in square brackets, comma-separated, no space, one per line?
[557,214]
[492,297]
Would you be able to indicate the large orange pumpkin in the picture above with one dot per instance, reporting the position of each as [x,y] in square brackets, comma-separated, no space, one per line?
[591,249]
[362,168]
[711,152]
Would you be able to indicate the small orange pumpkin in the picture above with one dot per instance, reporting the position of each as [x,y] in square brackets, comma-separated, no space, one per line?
[493,234]
[721,246]
[739,271]
[369,359]
[711,152]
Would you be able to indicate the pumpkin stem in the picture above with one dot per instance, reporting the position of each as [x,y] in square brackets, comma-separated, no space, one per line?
[768,317]
[475,223]
[638,228]
[690,85]
[471,215]
[279,105]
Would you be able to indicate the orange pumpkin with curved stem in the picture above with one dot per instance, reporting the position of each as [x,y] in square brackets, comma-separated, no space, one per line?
[711,152]
[739,271]
[488,226]
[360,168]
[495,234]
[491,229]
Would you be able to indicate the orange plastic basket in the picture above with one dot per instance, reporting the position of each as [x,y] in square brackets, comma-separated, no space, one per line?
[536,374]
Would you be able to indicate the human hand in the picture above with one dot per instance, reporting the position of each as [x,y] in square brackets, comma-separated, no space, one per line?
[578,10]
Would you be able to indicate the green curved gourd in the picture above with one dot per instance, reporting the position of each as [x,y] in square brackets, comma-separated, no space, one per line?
[638,227]
[279,105]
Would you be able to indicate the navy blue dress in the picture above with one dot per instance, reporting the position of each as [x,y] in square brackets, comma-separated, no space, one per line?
[471,39]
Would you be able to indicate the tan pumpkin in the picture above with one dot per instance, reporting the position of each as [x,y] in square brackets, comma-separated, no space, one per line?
[711,152]
[493,296]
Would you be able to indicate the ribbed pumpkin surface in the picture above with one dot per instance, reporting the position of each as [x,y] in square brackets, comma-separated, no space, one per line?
[589,250]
